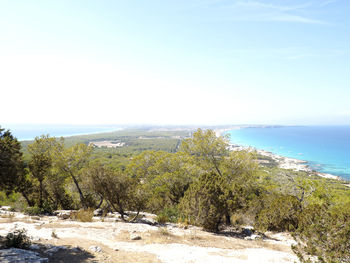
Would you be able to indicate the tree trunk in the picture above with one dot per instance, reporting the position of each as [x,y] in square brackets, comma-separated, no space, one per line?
[81,195]
[41,194]
[99,205]
[227,219]
[29,202]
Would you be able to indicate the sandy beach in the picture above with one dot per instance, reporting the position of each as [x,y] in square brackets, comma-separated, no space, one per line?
[284,162]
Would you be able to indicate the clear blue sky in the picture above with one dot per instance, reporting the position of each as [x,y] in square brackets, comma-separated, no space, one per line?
[175,62]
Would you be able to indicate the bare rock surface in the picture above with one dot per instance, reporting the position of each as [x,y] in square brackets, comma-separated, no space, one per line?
[114,241]
[96,249]
[16,255]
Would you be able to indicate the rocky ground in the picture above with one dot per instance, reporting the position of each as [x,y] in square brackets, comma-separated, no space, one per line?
[107,239]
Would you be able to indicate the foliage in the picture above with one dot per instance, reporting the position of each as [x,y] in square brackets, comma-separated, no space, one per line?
[324,231]
[204,203]
[12,176]
[118,189]
[35,210]
[41,161]
[165,177]
[225,181]
[70,162]
[17,239]
[279,213]
[47,182]
[198,182]
[168,214]
[136,141]
[10,199]
[208,150]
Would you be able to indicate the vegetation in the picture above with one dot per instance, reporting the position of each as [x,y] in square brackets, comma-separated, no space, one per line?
[17,239]
[12,174]
[82,215]
[189,179]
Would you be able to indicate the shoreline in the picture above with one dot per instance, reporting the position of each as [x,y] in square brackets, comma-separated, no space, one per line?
[284,162]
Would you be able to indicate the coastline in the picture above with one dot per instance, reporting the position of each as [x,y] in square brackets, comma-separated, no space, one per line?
[287,163]
[283,162]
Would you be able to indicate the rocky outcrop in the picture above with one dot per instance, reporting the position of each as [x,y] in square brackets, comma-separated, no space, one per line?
[12,255]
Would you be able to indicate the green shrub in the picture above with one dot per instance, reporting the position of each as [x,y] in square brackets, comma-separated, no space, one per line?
[36,211]
[324,231]
[168,214]
[17,239]
[205,202]
[279,213]
[33,211]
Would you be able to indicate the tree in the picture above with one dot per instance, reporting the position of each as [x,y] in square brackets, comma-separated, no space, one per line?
[208,150]
[12,175]
[204,203]
[118,189]
[71,162]
[41,161]
[240,171]
[234,170]
[165,176]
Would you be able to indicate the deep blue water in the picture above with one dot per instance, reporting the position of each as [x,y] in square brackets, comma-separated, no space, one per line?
[30,131]
[326,148]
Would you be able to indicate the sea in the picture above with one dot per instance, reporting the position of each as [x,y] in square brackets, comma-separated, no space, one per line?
[325,148]
[29,131]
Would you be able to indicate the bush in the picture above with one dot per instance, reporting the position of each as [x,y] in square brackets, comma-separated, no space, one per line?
[204,203]
[280,213]
[17,239]
[162,219]
[83,215]
[168,214]
[324,231]
[33,211]
[36,211]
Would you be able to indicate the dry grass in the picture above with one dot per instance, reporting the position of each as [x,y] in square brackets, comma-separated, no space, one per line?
[107,255]
[53,234]
[9,217]
[164,231]
[83,215]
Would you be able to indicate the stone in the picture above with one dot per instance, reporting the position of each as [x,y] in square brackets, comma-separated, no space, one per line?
[34,247]
[54,249]
[253,237]
[5,208]
[12,255]
[76,249]
[247,231]
[95,249]
[135,237]
[63,214]
[98,212]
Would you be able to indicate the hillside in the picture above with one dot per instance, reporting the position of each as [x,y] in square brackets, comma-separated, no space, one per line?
[107,239]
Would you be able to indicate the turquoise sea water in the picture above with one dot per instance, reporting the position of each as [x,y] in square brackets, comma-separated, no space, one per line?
[30,131]
[326,148]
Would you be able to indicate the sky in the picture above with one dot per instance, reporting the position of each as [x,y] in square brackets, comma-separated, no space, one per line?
[182,62]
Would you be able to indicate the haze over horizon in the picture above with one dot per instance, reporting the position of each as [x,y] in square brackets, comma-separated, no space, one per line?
[181,62]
